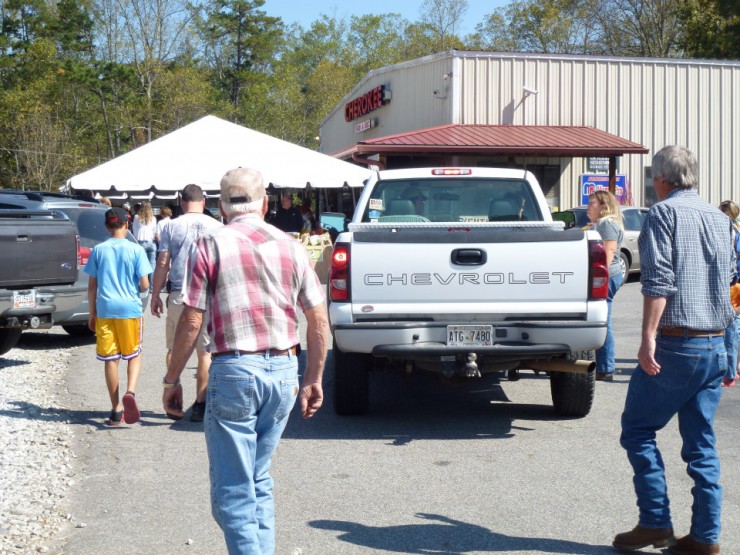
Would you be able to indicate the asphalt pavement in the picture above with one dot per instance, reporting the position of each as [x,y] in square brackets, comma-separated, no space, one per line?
[484,467]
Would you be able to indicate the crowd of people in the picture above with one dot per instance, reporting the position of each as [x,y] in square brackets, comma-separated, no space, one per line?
[233,292]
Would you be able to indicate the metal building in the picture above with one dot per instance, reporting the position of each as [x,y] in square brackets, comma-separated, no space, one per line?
[564,117]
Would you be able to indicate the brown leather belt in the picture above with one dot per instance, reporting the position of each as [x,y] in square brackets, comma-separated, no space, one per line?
[273,352]
[686,332]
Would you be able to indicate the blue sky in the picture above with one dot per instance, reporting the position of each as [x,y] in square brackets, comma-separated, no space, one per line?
[304,12]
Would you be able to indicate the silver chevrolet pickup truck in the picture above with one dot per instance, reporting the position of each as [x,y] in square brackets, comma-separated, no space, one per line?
[461,271]
[37,249]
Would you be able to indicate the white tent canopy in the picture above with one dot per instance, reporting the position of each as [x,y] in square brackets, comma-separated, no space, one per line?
[202,152]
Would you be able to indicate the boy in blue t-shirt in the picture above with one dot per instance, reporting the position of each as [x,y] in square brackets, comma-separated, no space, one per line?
[118,270]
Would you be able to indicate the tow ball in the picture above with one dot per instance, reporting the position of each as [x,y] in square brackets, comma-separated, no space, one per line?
[471,368]
[450,367]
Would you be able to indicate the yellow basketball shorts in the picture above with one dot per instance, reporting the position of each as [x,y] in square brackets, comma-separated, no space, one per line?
[118,338]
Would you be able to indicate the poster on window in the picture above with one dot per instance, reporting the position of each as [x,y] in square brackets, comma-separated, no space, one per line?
[591,182]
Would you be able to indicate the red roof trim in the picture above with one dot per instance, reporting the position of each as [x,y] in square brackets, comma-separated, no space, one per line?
[500,139]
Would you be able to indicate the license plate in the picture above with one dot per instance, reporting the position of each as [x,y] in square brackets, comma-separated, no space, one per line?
[470,336]
[24,299]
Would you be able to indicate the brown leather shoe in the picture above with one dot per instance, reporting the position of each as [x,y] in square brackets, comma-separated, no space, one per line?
[641,537]
[689,546]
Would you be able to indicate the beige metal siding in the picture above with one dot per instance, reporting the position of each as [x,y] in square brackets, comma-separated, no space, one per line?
[653,102]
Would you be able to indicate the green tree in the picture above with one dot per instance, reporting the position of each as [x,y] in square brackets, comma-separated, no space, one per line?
[23,21]
[241,42]
[711,28]
[374,41]
[649,28]
[35,136]
[183,95]
[73,30]
[151,34]
[552,26]
[442,20]
[325,39]
[315,72]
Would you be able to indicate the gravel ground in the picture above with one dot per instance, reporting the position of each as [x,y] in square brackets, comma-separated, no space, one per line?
[36,459]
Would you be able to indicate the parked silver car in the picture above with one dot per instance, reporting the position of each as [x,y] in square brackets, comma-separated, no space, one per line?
[633,216]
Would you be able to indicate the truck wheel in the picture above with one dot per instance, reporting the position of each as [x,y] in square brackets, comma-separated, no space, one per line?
[79,331]
[351,382]
[8,339]
[572,394]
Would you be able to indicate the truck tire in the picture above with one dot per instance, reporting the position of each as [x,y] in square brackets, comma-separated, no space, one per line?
[8,339]
[572,393]
[79,330]
[351,382]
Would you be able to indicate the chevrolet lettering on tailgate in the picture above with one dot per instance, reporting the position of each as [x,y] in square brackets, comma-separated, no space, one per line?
[492,278]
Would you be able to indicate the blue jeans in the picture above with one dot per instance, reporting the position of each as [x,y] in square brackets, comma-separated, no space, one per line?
[688,385]
[732,335]
[605,353]
[249,400]
[150,248]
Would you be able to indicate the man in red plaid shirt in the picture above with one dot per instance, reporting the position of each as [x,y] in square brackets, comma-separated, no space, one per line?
[250,278]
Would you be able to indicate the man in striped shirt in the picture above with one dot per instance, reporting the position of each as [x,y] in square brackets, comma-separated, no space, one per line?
[687,267]
[251,278]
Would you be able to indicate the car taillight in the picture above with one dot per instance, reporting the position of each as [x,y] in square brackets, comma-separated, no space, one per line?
[339,273]
[83,254]
[598,274]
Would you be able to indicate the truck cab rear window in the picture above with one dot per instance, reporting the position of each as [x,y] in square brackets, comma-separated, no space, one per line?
[452,200]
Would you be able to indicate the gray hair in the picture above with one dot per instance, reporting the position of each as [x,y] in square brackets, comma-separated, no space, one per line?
[677,165]
[242,191]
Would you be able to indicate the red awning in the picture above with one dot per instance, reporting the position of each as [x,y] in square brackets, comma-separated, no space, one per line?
[524,140]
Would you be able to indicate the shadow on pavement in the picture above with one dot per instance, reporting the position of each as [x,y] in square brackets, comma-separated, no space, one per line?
[424,406]
[446,535]
[94,418]
[52,339]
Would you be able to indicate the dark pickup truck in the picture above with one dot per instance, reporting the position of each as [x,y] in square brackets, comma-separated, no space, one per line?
[37,248]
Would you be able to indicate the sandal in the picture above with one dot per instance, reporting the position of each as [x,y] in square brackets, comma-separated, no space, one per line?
[115,419]
[130,408]
[728,383]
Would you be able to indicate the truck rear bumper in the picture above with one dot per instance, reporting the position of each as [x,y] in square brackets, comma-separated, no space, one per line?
[66,298]
[24,318]
[512,339]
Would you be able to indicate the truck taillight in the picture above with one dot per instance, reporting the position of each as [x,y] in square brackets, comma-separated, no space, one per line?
[339,273]
[598,273]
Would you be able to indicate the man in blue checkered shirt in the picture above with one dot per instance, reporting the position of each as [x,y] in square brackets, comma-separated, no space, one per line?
[687,267]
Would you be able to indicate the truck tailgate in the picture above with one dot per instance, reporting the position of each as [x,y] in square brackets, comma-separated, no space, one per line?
[444,270]
[37,251]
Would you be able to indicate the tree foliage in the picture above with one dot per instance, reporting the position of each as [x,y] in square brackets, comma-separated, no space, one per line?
[711,28]
[82,81]
[241,42]
[561,26]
